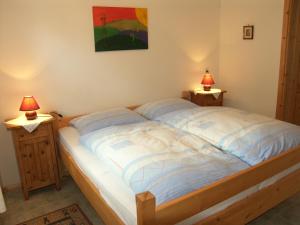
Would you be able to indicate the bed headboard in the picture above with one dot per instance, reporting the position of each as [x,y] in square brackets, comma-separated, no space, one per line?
[63,121]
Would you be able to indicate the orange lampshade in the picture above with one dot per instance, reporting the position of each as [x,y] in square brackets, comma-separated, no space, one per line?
[207,79]
[29,104]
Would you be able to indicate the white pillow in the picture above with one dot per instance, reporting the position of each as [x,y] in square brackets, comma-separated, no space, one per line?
[99,120]
[156,109]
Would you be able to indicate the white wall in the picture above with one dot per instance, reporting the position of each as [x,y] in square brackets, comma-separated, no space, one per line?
[47,50]
[249,70]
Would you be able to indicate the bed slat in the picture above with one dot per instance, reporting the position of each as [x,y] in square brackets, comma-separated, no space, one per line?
[256,204]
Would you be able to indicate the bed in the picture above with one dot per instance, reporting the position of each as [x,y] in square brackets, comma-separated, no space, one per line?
[235,199]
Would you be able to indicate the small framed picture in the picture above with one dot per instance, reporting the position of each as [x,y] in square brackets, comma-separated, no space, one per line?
[248,32]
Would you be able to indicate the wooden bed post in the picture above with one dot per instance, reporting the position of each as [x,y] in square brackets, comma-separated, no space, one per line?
[145,205]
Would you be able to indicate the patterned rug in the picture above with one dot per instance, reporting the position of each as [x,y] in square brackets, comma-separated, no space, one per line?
[71,215]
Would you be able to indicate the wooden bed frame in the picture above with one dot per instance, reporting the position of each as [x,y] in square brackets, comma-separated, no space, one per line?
[195,202]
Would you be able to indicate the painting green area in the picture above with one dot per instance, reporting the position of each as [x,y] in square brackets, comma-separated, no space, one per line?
[119,42]
[121,35]
[104,32]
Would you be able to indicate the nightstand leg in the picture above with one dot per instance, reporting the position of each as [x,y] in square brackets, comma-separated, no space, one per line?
[58,186]
[58,179]
[26,194]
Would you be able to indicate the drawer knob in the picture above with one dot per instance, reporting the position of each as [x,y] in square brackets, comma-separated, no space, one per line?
[24,155]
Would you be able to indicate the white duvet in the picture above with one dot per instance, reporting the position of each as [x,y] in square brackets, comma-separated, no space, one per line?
[165,161]
[251,137]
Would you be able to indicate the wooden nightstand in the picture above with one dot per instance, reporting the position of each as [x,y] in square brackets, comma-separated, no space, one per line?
[36,155]
[205,99]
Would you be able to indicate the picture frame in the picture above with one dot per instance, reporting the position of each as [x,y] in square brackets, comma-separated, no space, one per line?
[248,32]
[120,28]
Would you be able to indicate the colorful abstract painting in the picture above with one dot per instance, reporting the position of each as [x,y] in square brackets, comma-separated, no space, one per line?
[117,28]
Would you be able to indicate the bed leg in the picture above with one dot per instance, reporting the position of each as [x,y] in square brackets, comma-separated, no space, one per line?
[145,204]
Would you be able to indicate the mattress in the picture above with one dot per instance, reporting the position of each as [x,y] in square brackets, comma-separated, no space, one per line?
[120,197]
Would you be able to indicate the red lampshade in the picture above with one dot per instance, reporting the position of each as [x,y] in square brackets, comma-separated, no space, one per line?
[29,104]
[207,79]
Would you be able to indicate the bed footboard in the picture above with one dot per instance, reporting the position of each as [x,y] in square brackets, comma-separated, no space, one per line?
[239,213]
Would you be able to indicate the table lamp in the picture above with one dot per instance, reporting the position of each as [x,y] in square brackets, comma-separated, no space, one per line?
[207,81]
[29,105]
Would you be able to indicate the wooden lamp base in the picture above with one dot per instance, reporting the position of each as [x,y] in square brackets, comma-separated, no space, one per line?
[206,88]
[31,115]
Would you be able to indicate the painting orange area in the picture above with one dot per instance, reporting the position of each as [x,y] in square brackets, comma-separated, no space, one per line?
[141,15]
[103,15]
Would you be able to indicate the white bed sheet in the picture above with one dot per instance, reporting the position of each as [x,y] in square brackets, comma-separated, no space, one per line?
[120,197]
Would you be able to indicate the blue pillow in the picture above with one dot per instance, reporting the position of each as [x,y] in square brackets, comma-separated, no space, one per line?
[156,109]
[99,120]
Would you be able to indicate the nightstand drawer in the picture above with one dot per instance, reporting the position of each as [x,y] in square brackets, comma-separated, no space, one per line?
[37,162]
[40,131]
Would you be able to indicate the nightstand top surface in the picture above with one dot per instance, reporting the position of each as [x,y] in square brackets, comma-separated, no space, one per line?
[212,91]
[23,122]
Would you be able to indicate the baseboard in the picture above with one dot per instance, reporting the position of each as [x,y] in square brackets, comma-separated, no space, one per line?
[12,187]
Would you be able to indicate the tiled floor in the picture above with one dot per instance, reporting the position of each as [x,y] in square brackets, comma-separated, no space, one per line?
[45,201]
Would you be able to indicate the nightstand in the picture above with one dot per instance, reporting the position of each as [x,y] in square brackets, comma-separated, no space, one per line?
[207,98]
[36,154]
